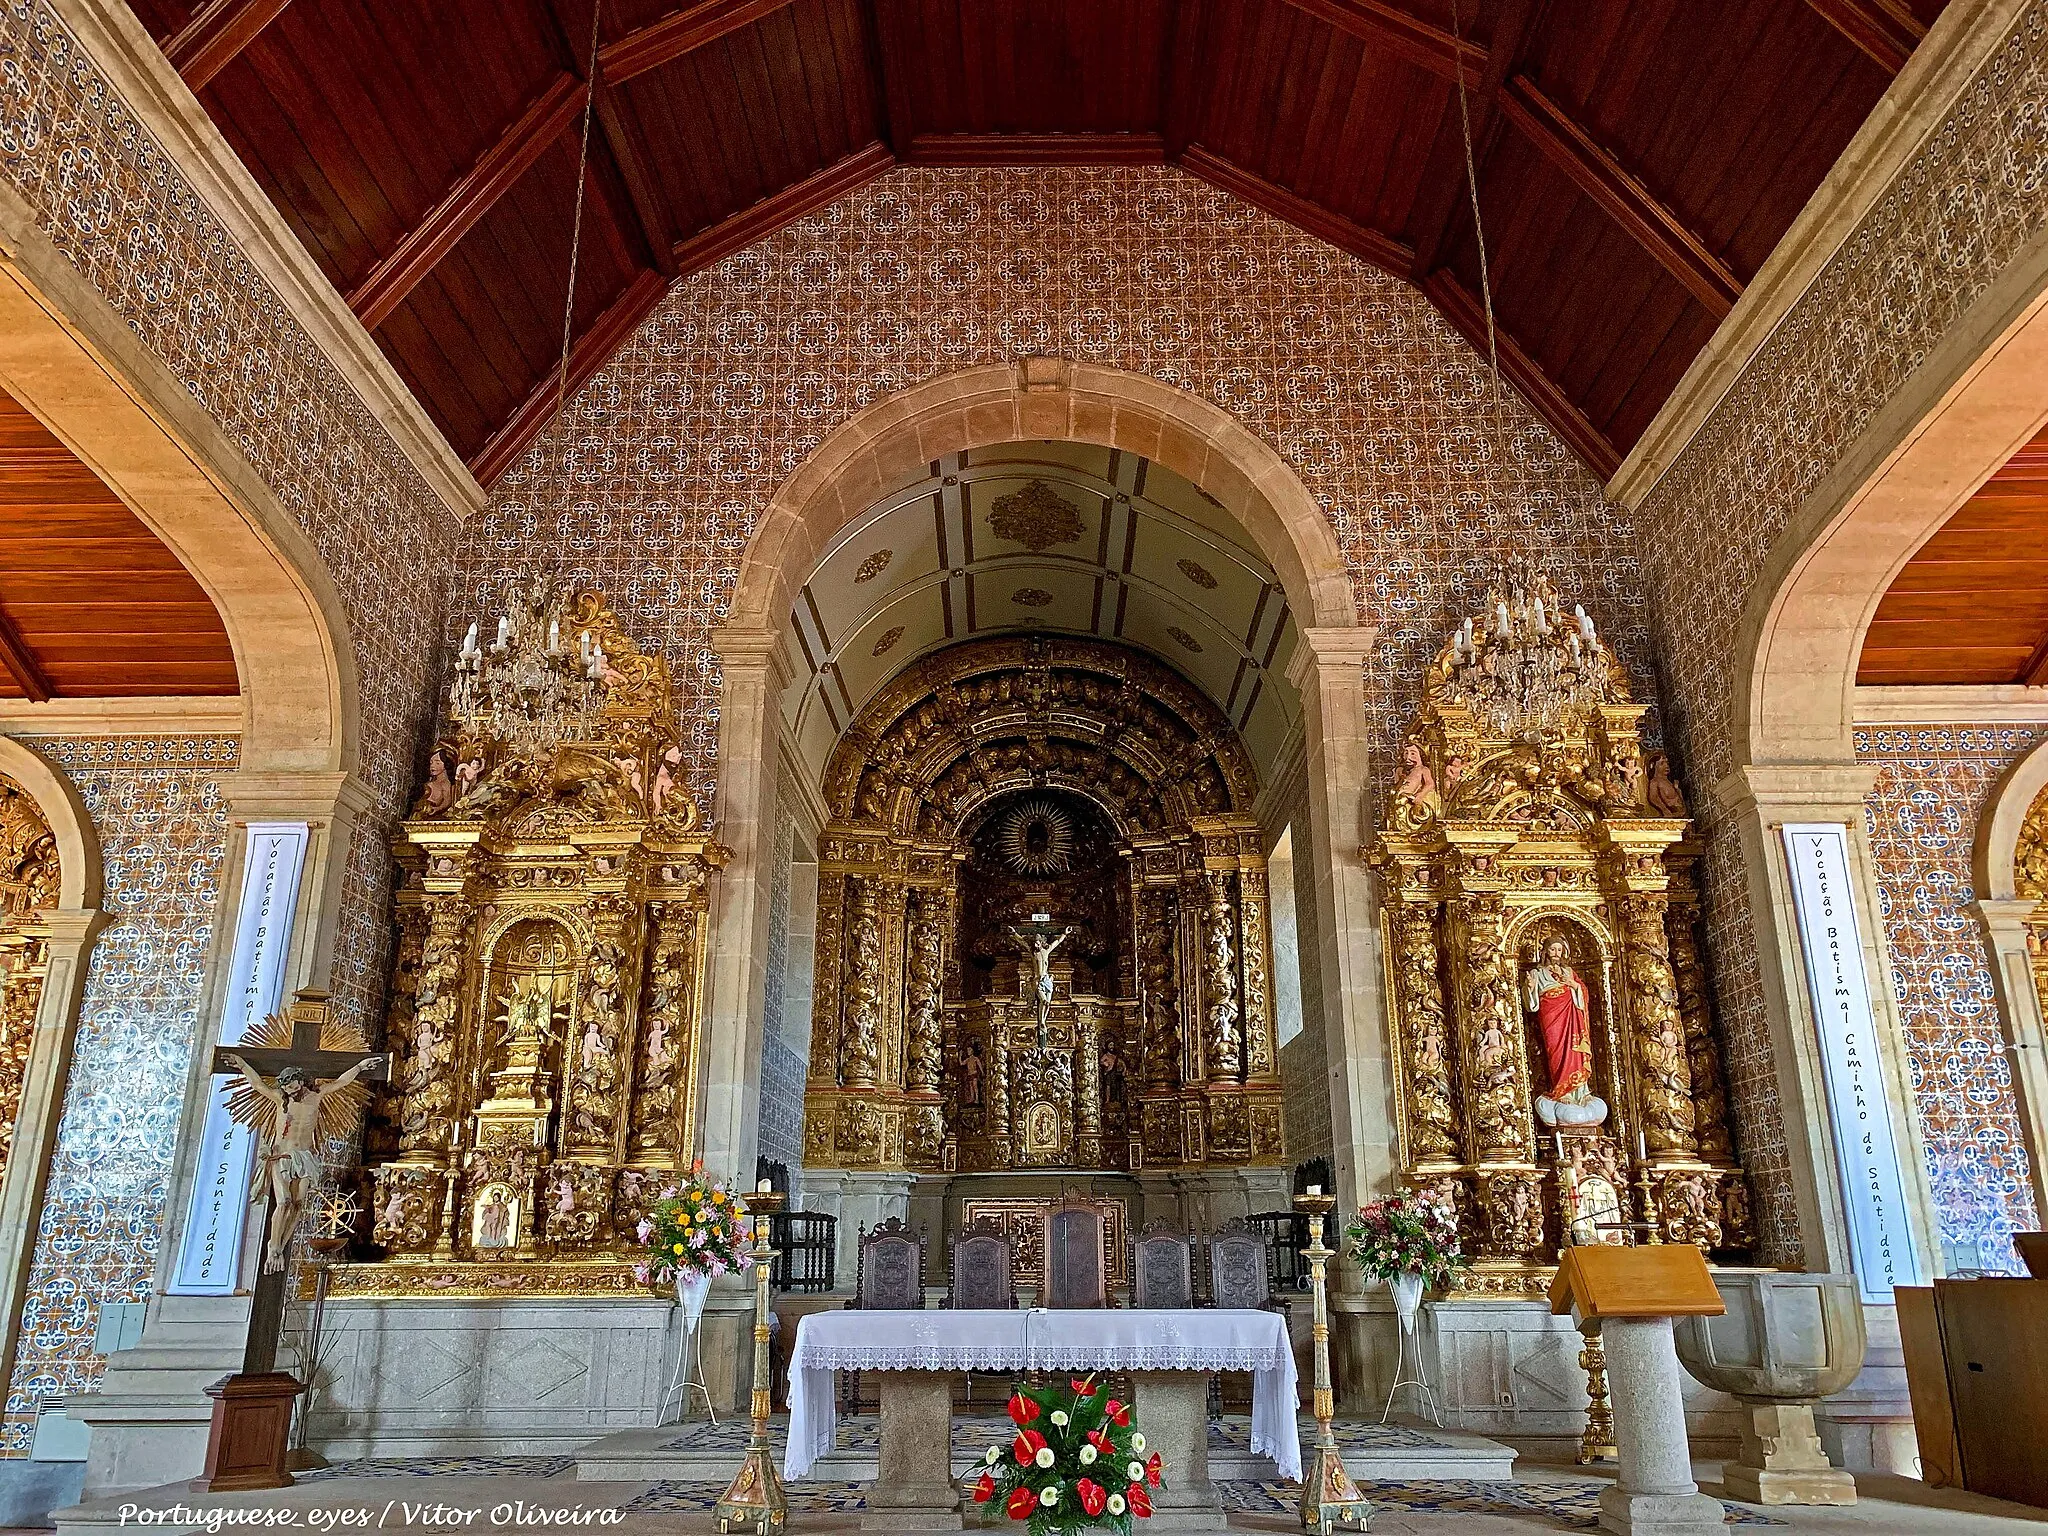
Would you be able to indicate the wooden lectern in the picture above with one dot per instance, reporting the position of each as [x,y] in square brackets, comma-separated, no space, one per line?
[1631,1295]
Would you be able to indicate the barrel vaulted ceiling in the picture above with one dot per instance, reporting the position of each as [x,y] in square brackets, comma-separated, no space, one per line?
[1637,161]
[1054,537]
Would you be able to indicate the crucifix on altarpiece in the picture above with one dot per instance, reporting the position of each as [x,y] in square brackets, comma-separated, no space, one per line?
[301,1080]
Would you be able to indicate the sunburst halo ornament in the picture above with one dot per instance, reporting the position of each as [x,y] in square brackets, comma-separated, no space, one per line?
[1037,837]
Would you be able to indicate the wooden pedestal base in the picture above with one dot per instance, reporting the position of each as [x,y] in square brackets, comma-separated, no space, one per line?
[252,1422]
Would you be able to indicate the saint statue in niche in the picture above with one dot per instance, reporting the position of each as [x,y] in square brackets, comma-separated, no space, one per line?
[496,1215]
[971,1069]
[1552,991]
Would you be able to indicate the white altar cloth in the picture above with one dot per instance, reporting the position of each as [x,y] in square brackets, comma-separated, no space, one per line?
[1115,1339]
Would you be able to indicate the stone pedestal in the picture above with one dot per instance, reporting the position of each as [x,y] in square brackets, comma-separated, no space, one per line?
[1782,1461]
[914,1490]
[1656,1495]
[1173,1412]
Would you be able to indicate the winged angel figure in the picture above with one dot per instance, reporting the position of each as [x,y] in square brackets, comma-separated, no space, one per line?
[290,1114]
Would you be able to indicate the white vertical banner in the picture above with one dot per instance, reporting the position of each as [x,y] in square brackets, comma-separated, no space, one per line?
[210,1251]
[1852,1069]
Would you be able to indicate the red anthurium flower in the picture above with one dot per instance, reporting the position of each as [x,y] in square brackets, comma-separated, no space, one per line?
[1152,1470]
[1093,1496]
[1082,1388]
[1026,1446]
[985,1489]
[1118,1414]
[1139,1500]
[1022,1409]
[1099,1438]
[1023,1504]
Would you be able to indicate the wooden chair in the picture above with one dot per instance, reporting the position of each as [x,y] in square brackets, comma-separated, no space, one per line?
[888,1277]
[1240,1275]
[1076,1256]
[984,1266]
[1163,1267]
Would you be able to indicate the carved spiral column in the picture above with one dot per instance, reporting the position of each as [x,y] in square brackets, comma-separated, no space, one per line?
[1493,1064]
[1705,1071]
[924,1028]
[600,1048]
[1224,1038]
[26,966]
[1256,967]
[1160,907]
[1656,1030]
[402,999]
[860,1025]
[1088,1088]
[427,1078]
[1425,1041]
[662,1046]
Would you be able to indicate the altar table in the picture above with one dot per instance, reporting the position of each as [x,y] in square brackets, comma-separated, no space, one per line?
[1169,1356]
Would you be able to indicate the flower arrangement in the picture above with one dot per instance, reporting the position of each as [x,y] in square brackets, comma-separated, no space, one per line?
[1406,1235]
[695,1228]
[1077,1463]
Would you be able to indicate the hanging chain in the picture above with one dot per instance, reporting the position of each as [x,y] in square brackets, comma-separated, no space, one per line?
[1479,237]
[560,421]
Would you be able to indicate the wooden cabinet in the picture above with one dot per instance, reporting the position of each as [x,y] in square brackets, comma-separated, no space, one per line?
[1980,1405]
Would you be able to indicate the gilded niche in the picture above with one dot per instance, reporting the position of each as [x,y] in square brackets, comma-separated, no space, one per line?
[547,990]
[29,882]
[1042,923]
[1541,919]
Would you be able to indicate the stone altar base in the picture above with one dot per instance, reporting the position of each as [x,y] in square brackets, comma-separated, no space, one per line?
[1173,1407]
[914,1490]
[1782,1462]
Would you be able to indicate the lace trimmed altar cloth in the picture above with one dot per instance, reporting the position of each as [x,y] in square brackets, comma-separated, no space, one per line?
[1209,1339]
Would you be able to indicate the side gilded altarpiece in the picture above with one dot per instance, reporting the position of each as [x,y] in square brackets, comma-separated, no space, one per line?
[1560,1076]
[547,991]
[1043,936]
[29,882]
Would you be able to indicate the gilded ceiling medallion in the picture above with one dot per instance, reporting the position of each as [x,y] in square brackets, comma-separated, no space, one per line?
[1198,574]
[888,640]
[1037,517]
[873,566]
[1187,641]
[1031,597]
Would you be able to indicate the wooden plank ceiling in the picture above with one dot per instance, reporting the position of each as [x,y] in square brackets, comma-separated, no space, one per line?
[1971,606]
[91,602]
[1636,161]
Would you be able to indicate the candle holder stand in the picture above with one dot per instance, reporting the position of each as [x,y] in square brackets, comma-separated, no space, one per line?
[755,1502]
[1330,1500]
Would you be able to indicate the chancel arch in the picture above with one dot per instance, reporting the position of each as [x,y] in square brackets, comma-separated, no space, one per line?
[2011,868]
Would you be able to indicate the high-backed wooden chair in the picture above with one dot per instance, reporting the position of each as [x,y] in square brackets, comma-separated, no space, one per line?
[1240,1275]
[1076,1255]
[888,1277]
[1163,1267]
[984,1268]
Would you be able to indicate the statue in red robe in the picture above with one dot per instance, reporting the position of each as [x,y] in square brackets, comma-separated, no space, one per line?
[1552,991]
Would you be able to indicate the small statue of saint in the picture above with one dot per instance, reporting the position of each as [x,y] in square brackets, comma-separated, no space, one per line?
[971,1069]
[1552,991]
[290,1113]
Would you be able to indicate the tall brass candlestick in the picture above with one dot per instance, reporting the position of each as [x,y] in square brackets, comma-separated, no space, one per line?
[1330,1500]
[755,1501]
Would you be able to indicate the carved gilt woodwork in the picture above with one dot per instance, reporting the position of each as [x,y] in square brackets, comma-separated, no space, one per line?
[29,883]
[987,784]
[1541,915]
[547,988]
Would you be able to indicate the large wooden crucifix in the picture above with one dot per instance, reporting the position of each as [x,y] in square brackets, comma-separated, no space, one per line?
[301,1075]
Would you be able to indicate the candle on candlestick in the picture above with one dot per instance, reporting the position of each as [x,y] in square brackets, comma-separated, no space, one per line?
[1315,1189]
[1642,1147]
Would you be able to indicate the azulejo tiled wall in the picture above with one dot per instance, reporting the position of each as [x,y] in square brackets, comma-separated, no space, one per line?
[675,446]
[163,827]
[782,1070]
[118,208]
[1956,216]
[1933,782]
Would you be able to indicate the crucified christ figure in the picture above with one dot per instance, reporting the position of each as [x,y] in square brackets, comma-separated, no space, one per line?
[290,1132]
[1041,944]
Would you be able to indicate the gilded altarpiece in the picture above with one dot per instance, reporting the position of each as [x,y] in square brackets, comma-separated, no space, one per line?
[2030,883]
[1041,791]
[546,998]
[1542,933]
[29,880]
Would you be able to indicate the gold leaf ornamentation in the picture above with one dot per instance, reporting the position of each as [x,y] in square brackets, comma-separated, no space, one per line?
[873,566]
[1037,517]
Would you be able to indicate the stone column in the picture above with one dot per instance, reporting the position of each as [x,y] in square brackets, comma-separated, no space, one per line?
[2015,966]
[150,1417]
[1173,1406]
[915,1489]
[1655,1495]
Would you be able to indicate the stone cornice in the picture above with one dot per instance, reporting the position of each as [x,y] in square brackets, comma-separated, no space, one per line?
[1986,704]
[143,78]
[171,715]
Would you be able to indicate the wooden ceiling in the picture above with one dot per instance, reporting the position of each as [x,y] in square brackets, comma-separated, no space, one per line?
[1636,161]
[1971,606]
[91,602]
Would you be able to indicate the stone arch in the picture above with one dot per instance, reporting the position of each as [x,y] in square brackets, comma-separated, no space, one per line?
[1058,399]
[1996,855]
[2015,918]
[70,928]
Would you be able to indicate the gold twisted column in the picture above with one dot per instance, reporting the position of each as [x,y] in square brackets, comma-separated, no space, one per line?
[1597,1443]
[755,1501]
[1330,1500]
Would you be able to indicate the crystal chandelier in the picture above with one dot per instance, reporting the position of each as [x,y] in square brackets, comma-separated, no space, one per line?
[1525,666]
[530,689]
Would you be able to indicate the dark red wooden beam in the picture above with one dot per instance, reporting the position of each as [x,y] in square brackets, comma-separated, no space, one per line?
[680,32]
[2035,672]
[400,270]
[1379,25]
[218,31]
[1519,369]
[771,213]
[623,134]
[21,662]
[892,91]
[1884,30]
[1444,191]
[1594,170]
[599,340]
[1037,149]
[1383,251]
